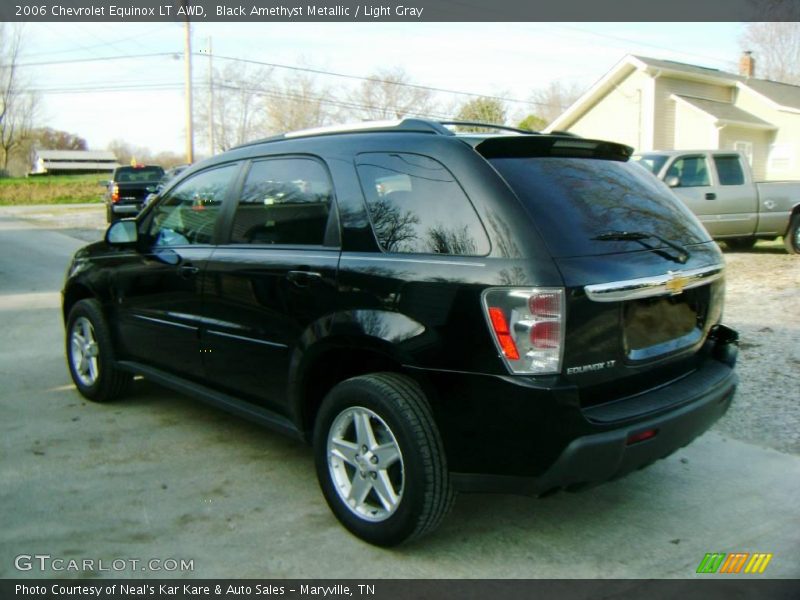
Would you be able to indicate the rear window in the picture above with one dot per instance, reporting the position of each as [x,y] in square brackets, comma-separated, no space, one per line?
[574,200]
[133,174]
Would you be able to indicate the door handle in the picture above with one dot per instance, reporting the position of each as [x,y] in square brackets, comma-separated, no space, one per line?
[711,196]
[303,278]
[188,271]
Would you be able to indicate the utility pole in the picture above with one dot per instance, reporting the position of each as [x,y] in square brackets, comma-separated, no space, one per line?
[187,54]
[210,100]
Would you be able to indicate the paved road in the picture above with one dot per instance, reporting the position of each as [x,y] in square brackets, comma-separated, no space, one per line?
[160,476]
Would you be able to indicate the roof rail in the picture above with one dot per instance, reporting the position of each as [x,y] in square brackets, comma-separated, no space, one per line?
[412,125]
[407,125]
[488,126]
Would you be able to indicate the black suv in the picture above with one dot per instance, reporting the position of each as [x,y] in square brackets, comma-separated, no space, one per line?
[433,312]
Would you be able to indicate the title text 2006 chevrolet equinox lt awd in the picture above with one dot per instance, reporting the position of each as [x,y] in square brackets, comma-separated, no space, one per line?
[432,311]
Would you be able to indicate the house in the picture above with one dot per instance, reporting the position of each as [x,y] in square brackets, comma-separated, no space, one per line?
[653,104]
[72,162]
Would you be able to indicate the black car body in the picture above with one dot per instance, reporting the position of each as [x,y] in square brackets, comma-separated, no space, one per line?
[545,314]
[128,188]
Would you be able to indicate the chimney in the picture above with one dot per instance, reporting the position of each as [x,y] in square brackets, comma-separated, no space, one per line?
[747,64]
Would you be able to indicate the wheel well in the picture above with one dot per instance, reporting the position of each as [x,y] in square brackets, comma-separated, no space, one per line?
[72,295]
[334,366]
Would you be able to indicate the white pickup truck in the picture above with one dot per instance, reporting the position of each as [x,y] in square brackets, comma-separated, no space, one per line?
[718,187]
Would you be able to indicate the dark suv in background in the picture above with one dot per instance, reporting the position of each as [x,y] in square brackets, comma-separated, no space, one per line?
[433,312]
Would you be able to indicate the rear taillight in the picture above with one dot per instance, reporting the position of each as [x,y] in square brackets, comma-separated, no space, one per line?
[115,193]
[527,325]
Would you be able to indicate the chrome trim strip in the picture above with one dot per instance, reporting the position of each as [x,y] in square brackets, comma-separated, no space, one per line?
[246,339]
[164,322]
[413,260]
[671,283]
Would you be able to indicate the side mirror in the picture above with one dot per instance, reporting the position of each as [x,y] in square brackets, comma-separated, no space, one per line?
[122,233]
[673,181]
[104,182]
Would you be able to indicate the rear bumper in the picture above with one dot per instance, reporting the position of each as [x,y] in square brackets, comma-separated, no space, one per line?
[595,458]
[126,209]
[522,435]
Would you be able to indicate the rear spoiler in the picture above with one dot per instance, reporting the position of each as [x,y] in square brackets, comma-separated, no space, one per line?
[561,146]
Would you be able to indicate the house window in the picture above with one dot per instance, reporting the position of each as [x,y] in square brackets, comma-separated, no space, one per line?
[746,149]
[781,157]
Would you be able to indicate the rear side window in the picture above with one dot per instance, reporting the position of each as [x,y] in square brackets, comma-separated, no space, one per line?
[729,169]
[284,201]
[416,206]
[575,201]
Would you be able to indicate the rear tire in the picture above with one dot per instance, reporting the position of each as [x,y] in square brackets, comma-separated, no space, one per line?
[90,354]
[380,460]
[792,238]
[741,244]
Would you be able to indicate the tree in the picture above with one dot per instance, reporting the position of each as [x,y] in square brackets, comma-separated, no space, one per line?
[298,103]
[387,95]
[46,138]
[554,99]
[776,50]
[18,106]
[239,106]
[532,123]
[127,153]
[482,110]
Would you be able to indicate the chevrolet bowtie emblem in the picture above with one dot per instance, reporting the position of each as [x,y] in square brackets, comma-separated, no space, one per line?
[676,285]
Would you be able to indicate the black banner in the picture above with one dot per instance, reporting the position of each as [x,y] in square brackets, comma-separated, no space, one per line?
[397,10]
[579,589]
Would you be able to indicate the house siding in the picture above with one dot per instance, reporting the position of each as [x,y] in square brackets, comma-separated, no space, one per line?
[665,134]
[694,130]
[760,141]
[786,137]
[618,116]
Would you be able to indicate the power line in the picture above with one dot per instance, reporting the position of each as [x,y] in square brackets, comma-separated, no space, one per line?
[372,79]
[96,59]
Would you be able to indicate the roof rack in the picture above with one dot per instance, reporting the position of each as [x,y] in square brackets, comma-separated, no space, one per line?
[411,125]
[488,126]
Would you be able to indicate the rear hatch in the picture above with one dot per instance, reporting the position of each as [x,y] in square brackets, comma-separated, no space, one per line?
[643,278]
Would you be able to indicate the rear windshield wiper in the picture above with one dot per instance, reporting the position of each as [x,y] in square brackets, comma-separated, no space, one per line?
[640,236]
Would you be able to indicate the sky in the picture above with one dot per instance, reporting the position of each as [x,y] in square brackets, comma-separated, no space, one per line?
[140,100]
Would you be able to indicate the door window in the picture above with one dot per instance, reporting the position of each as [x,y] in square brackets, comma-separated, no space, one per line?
[284,201]
[691,170]
[189,213]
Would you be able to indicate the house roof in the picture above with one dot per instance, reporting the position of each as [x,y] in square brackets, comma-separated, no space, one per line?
[68,155]
[671,65]
[725,112]
[782,94]
[80,166]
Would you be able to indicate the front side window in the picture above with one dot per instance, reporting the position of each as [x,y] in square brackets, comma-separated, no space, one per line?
[189,213]
[284,201]
[416,205]
[691,170]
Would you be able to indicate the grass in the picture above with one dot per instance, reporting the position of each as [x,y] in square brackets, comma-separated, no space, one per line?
[51,189]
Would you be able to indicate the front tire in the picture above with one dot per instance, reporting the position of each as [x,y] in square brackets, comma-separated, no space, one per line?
[792,238]
[90,354]
[380,460]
